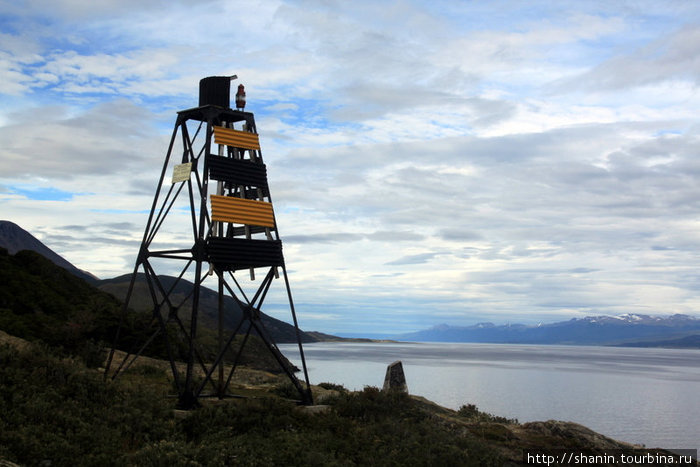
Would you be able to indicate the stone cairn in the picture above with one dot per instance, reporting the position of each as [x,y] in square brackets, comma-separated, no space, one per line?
[395,379]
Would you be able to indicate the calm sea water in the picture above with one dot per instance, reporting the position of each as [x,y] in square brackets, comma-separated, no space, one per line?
[642,396]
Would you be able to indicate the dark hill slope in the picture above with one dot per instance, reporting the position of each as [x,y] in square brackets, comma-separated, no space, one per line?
[280,331]
[15,239]
[42,301]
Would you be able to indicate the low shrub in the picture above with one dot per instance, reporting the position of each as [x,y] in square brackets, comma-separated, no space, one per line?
[333,387]
[472,413]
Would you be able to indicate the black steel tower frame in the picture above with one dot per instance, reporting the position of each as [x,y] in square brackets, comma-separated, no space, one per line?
[226,248]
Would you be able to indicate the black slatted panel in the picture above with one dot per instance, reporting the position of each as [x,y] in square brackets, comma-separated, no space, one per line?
[238,171]
[237,253]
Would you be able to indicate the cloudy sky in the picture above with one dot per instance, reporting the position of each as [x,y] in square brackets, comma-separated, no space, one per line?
[430,161]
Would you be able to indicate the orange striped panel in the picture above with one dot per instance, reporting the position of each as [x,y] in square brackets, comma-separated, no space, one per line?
[236,138]
[242,211]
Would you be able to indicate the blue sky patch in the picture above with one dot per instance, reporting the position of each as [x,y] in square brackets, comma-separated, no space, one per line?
[121,211]
[42,193]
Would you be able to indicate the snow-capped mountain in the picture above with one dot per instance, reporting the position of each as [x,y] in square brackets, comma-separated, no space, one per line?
[591,330]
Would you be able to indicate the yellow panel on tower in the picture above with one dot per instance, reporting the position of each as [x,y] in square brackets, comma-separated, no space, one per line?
[236,138]
[242,211]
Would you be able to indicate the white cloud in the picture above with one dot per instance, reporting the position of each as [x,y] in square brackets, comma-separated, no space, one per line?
[429,162]
[669,58]
[111,138]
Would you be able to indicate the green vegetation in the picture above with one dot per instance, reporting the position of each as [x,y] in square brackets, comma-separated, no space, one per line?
[41,301]
[472,413]
[56,409]
[333,387]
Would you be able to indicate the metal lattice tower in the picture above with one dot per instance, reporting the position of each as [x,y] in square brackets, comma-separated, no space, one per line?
[219,192]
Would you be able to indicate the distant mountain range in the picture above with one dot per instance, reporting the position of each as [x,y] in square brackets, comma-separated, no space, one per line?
[14,238]
[629,330]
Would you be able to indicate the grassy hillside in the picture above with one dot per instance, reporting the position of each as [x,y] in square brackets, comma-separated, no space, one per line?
[55,411]
[41,301]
